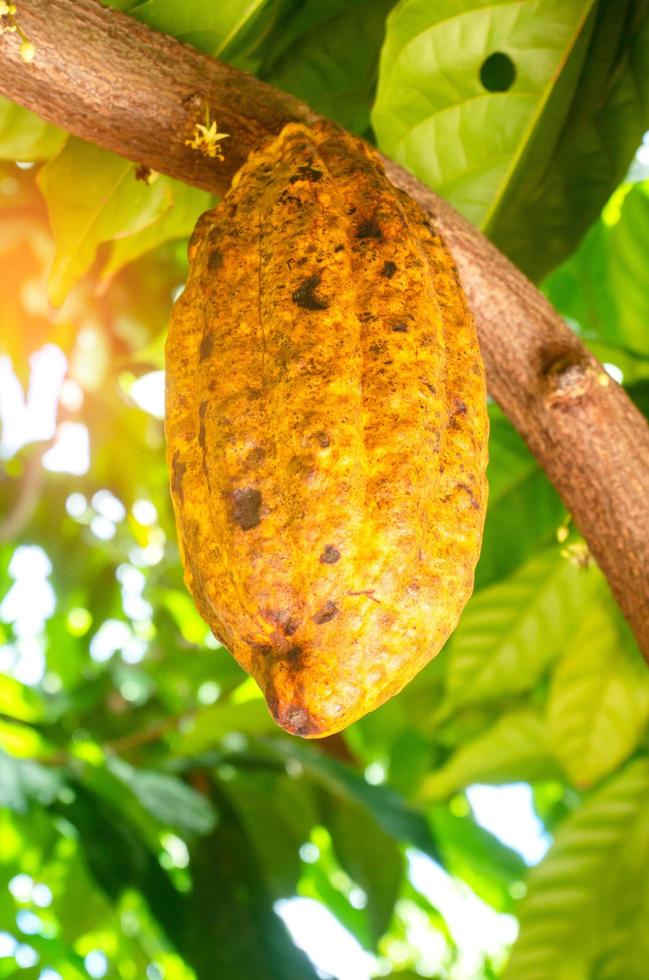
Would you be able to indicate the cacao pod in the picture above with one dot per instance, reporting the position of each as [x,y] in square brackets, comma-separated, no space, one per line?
[326,429]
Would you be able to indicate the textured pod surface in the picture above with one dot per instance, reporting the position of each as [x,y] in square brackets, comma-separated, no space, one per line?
[326,430]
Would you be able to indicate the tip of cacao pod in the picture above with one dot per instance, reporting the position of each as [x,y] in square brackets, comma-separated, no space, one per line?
[296,719]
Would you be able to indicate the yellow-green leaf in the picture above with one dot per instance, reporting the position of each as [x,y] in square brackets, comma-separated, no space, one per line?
[516,747]
[599,697]
[25,136]
[93,197]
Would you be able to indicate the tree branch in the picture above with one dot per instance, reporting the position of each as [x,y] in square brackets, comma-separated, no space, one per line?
[108,79]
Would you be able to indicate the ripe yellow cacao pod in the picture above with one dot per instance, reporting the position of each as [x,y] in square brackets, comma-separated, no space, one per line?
[326,429]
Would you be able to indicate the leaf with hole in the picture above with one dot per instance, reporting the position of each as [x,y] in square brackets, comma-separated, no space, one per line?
[524,116]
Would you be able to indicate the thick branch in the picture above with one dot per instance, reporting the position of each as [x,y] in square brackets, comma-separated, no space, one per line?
[110,80]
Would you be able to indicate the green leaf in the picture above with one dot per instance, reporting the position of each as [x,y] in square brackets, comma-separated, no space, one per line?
[515,747]
[599,697]
[604,286]
[25,136]
[627,946]
[472,853]
[92,197]
[277,813]
[435,115]
[584,145]
[118,858]
[571,911]
[327,54]
[546,127]
[166,797]
[524,509]
[386,807]
[511,631]
[23,782]
[370,857]
[211,27]
[230,928]
[187,204]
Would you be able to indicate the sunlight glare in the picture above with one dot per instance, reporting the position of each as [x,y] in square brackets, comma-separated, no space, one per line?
[148,393]
[330,947]
[476,928]
[71,451]
[33,419]
[508,813]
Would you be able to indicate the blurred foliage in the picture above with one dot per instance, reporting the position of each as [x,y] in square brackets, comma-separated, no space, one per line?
[151,815]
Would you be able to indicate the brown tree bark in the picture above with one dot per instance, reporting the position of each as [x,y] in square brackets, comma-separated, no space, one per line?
[108,79]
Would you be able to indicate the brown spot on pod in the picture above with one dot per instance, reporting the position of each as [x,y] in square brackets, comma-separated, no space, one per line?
[207,345]
[296,720]
[330,555]
[215,259]
[328,612]
[369,229]
[256,456]
[399,328]
[305,296]
[177,473]
[306,172]
[323,439]
[294,656]
[388,270]
[246,505]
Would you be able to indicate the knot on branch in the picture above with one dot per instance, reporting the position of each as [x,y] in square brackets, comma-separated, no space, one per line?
[567,378]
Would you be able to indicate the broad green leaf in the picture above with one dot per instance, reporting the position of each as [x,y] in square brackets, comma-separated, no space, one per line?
[278,813]
[167,798]
[214,28]
[25,136]
[571,912]
[23,781]
[187,204]
[523,115]
[230,928]
[524,509]
[326,881]
[511,631]
[118,858]
[599,697]
[584,145]
[386,807]
[515,747]
[93,197]
[309,56]
[370,857]
[604,286]
[627,947]
[436,115]
[472,853]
